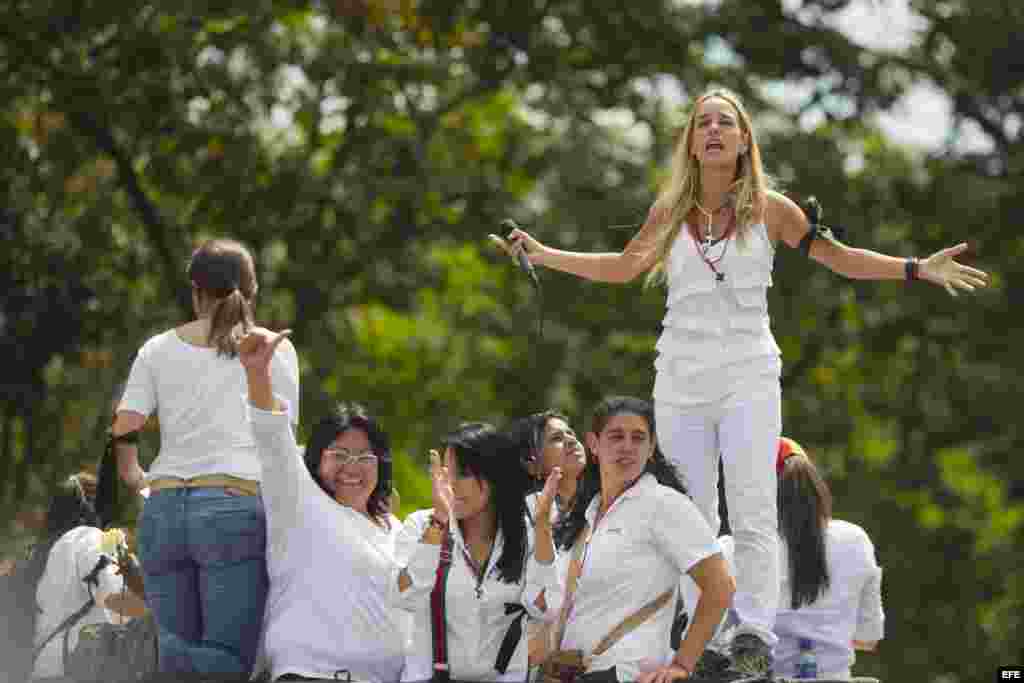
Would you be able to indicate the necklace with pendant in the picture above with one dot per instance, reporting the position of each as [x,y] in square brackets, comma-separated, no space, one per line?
[705,244]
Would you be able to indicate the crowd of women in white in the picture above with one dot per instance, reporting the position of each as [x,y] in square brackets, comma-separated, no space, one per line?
[520,561]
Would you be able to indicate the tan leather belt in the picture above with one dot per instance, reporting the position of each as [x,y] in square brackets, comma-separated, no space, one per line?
[245,487]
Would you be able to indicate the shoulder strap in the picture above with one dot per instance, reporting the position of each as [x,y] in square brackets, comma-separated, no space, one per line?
[632,621]
[438,618]
[91,579]
[575,568]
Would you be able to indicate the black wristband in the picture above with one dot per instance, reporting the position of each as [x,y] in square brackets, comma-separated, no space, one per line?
[127,437]
[911,268]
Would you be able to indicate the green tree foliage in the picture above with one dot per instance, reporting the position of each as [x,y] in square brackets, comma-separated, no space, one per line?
[365,148]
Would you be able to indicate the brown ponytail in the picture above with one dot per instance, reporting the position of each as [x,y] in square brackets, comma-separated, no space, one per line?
[224,276]
[229,312]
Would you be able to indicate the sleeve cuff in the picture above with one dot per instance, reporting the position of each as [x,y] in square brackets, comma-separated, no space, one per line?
[254,414]
[871,631]
[543,574]
[423,564]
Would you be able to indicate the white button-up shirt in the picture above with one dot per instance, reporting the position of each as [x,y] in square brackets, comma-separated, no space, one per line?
[649,537]
[850,608]
[477,616]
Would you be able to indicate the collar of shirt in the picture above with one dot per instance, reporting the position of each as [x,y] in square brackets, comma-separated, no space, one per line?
[461,547]
[645,483]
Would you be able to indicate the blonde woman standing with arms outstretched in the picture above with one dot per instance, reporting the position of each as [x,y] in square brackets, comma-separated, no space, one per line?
[202,532]
[711,237]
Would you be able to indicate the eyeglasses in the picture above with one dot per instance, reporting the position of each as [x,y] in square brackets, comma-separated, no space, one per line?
[346,457]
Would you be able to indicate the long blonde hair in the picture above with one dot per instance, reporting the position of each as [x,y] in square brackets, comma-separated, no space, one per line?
[681,191]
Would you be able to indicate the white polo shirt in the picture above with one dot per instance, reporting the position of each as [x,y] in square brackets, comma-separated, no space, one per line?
[650,536]
[850,608]
[477,618]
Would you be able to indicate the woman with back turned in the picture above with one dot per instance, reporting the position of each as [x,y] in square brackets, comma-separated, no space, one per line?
[202,532]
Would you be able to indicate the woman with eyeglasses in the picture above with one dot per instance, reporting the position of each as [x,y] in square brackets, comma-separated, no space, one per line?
[331,537]
[473,567]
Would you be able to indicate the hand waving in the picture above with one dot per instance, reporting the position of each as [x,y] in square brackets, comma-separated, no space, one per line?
[548,493]
[441,488]
[943,270]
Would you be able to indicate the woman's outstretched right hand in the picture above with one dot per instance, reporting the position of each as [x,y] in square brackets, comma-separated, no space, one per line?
[257,347]
[519,241]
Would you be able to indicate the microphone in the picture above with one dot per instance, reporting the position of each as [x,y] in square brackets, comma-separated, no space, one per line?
[524,261]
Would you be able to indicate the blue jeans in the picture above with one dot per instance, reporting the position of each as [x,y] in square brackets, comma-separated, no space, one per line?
[203,556]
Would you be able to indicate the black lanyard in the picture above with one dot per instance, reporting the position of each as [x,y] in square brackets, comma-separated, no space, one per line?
[479,572]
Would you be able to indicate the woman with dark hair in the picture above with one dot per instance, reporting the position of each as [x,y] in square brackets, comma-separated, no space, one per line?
[202,532]
[831,585]
[74,566]
[496,568]
[545,441]
[633,533]
[331,536]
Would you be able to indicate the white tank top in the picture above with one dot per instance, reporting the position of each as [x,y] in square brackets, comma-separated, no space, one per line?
[717,333]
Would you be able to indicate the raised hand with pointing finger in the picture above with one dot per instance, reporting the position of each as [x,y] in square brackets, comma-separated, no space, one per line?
[255,350]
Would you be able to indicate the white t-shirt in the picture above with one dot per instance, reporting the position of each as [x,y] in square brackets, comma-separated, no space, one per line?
[330,573]
[850,609]
[477,618]
[650,536]
[200,399]
[62,592]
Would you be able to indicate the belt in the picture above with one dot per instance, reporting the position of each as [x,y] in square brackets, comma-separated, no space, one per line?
[245,487]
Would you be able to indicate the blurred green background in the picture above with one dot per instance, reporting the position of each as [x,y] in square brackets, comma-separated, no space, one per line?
[365,148]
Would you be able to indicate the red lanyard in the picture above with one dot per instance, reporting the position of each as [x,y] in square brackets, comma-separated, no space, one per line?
[703,247]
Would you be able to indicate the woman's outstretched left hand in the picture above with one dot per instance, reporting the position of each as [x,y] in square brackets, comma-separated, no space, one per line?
[942,269]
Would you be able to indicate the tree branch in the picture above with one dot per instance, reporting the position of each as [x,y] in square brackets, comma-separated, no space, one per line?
[156,228]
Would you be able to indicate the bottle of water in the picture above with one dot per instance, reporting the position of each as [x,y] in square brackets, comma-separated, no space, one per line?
[806,661]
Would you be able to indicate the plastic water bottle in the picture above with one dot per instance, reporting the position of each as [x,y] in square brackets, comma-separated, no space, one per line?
[806,661]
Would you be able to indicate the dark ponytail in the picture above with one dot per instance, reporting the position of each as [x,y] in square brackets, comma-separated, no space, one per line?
[805,506]
[570,526]
[224,276]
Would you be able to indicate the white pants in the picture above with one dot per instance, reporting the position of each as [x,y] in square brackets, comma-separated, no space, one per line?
[742,429]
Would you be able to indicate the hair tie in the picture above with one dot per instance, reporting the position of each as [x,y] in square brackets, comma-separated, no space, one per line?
[787,448]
